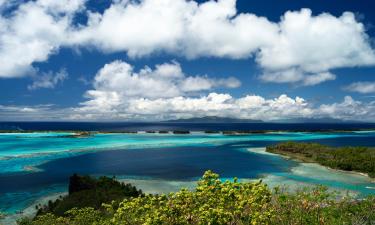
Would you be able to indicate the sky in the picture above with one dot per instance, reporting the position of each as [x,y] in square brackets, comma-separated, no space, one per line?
[153,60]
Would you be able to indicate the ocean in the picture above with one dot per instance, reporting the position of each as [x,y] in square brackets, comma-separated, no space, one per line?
[37,164]
[156,126]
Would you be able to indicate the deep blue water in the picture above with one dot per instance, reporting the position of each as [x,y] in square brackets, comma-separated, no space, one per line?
[156,126]
[184,163]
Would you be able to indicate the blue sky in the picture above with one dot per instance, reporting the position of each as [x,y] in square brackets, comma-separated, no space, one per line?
[152,60]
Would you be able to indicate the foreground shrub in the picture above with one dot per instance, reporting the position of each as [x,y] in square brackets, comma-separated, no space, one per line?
[213,202]
[318,206]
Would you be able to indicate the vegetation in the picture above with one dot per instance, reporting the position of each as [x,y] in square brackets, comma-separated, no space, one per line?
[222,202]
[85,191]
[360,159]
[181,132]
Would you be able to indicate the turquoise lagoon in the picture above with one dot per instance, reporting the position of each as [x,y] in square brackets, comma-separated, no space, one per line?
[35,165]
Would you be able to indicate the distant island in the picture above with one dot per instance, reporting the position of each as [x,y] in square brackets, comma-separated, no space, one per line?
[218,119]
[327,120]
[358,159]
[214,119]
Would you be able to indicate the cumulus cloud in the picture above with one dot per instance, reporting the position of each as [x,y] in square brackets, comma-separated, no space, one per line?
[180,27]
[48,80]
[222,105]
[301,48]
[109,106]
[349,109]
[165,80]
[318,43]
[117,85]
[214,104]
[165,91]
[251,107]
[364,87]
[34,31]
[309,46]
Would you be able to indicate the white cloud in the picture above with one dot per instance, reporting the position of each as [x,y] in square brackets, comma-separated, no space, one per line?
[109,106]
[349,109]
[198,83]
[212,28]
[214,104]
[166,92]
[318,43]
[309,46]
[117,87]
[223,105]
[302,48]
[48,80]
[286,76]
[364,87]
[34,31]
[32,113]
[165,80]
[318,78]
[294,75]
[18,109]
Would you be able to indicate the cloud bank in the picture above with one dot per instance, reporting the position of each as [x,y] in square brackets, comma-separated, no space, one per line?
[224,105]
[161,93]
[301,48]
[165,91]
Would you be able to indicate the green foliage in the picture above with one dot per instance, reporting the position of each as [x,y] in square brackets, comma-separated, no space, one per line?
[318,206]
[74,216]
[359,159]
[85,191]
[223,202]
[213,202]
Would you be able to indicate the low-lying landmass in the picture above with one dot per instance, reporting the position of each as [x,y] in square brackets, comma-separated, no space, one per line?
[181,132]
[358,159]
[212,202]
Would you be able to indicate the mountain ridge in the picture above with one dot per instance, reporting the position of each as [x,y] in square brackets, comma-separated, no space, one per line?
[213,119]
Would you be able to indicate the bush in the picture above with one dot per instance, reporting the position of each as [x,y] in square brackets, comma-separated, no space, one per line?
[85,191]
[213,202]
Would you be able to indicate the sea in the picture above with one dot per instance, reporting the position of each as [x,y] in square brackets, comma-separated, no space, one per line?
[37,158]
